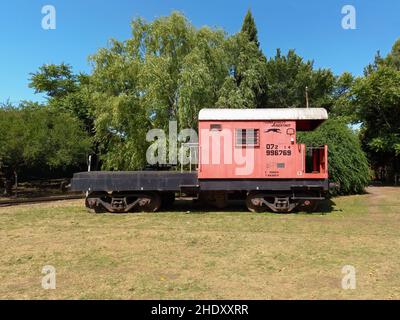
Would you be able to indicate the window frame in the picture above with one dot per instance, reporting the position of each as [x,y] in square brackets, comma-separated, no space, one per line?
[244,141]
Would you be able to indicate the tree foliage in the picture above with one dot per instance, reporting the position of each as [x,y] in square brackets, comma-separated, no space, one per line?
[343,98]
[347,163]
[378,107]
[245,81]
[393,58]
[168,70]
[250,29]
[32,134]
[54,80]
[289,75]
[65,91]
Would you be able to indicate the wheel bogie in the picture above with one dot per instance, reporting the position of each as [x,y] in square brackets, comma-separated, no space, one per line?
[279,203]
[256,201]
[123,202]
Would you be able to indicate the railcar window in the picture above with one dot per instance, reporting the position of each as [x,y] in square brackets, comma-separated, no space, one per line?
[215,127]
[247,137]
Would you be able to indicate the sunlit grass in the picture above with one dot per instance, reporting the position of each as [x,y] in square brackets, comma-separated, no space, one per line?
[227,254]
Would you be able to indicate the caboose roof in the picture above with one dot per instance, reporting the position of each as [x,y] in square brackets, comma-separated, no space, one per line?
[306,118]
[264,114]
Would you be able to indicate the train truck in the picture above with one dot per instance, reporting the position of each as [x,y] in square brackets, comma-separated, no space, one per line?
[244,154]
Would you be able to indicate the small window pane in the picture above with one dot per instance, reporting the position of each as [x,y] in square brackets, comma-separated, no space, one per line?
[247,137]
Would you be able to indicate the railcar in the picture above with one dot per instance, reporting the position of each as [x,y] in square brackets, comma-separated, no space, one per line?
[248,154]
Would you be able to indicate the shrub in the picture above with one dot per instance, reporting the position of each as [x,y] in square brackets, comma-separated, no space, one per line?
[347,163]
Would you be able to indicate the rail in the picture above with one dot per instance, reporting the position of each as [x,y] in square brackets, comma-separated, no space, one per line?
[15,202]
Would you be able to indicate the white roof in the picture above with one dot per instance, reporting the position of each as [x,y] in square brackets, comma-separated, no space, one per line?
[264,114]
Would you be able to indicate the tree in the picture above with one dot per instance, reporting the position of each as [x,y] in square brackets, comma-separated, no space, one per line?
[343,99]
[246,82]
[378,107]
[54,80]
[347,162]
[288,76]
[393,58]
[32,134]
[249,28]
[168,70]
[65,91]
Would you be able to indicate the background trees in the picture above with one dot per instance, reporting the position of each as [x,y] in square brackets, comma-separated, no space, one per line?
[289,75]
[245,82]
[377,107]
[34,135]
[65,91]
[169,70]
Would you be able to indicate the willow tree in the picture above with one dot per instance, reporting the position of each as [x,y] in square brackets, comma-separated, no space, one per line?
[168,70]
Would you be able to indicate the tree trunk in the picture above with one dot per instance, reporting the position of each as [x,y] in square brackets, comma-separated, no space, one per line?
[7,187]
[9,180]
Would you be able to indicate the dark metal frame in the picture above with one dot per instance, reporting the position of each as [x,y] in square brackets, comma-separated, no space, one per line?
[115,181]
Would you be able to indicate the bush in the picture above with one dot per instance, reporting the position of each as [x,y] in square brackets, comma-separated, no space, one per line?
[348,164]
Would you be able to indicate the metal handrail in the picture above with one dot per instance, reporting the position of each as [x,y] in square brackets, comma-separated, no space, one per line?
[192,146]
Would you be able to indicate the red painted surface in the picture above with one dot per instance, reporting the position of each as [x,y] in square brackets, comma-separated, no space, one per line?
[275,154]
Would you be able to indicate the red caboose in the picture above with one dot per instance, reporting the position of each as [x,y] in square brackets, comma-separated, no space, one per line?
[249,154]
[265,138]
[258,148]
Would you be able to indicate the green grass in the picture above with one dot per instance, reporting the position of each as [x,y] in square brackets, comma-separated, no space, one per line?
[227,255]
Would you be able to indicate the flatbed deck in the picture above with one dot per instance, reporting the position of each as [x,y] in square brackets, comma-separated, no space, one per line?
[133,181]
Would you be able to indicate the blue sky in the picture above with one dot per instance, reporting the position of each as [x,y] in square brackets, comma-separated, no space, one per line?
[311,27]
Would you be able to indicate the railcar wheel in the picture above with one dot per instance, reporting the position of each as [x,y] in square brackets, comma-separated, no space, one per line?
[93,205]
[255,203]
[309,206]
[150,202]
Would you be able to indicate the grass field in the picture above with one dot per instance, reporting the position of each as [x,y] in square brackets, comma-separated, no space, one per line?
[191,254]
